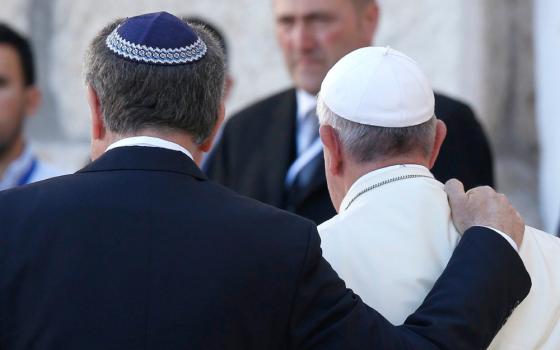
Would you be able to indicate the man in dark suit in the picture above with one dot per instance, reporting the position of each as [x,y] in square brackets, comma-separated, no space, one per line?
[139,251]
[261,144]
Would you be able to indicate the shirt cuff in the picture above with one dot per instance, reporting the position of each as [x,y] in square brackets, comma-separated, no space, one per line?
[506,237]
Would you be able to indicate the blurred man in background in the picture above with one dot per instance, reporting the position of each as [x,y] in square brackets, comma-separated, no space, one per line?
[19,99]
[271,150]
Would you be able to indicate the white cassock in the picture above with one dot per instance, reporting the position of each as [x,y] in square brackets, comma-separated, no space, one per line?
[394,236]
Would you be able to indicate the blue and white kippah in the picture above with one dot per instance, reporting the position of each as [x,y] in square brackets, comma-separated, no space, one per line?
[156,38]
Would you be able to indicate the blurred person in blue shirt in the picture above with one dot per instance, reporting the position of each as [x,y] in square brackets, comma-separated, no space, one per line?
[19,99]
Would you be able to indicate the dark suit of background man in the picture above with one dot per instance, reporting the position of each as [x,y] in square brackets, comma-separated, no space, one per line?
[260,145]
[139,250]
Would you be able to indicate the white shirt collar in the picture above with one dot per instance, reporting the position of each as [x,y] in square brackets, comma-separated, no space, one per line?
[305,103]
[149,141]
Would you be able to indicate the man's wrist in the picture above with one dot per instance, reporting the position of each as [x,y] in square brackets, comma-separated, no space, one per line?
[506,237]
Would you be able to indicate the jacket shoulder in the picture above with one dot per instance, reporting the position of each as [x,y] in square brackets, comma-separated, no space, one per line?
[453,110]
[459,118]
[253,213]
[15,194]
[449,101]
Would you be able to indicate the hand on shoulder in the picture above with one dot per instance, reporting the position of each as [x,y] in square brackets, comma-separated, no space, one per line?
[482,206]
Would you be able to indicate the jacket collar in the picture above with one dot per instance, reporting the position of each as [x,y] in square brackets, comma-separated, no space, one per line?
[145,158]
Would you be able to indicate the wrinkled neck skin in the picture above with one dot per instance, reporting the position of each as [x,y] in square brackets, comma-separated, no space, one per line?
[352,171]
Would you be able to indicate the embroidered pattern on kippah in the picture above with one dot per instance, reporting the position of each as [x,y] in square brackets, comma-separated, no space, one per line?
[142,53]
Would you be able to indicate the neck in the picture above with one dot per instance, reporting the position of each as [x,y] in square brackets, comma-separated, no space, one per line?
[352,171]
[357,170]
[12,153]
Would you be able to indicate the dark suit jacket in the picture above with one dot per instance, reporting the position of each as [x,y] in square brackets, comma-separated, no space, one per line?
[257,147]
[139,251]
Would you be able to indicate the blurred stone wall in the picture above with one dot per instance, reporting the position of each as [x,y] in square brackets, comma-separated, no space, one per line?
[547,56]
[476,50]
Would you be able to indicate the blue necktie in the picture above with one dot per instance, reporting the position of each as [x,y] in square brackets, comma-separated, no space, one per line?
[308,136]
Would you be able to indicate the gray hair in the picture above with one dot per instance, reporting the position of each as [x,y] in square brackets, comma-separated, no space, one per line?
[365,143]
[136,96]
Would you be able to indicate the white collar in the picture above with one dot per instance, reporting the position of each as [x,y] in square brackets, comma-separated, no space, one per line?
[379,177]
[305,103]
[149,141]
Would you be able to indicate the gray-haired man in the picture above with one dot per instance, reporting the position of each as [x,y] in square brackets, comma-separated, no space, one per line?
[393,234]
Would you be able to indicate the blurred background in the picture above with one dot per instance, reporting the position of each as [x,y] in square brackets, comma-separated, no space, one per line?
[500,56]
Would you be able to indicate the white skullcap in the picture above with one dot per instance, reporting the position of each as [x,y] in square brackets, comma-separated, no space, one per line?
[378,86]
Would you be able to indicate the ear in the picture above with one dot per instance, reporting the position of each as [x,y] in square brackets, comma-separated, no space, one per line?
[371,21]
[441,132]
[332,150]
[33,99]
[98,129]
[229,82]
[207,145]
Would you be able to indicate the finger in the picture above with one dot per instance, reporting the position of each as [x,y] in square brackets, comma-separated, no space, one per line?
[519,217]
[455,191]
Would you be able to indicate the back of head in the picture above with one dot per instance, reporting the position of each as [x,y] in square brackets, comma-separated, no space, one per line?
[380,103]
[166,94]
[10,37]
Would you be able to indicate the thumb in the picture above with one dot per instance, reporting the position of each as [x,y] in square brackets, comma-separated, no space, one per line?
[457,201]
[456,193]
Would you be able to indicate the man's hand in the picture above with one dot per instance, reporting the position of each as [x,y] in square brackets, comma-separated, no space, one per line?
[482,206]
